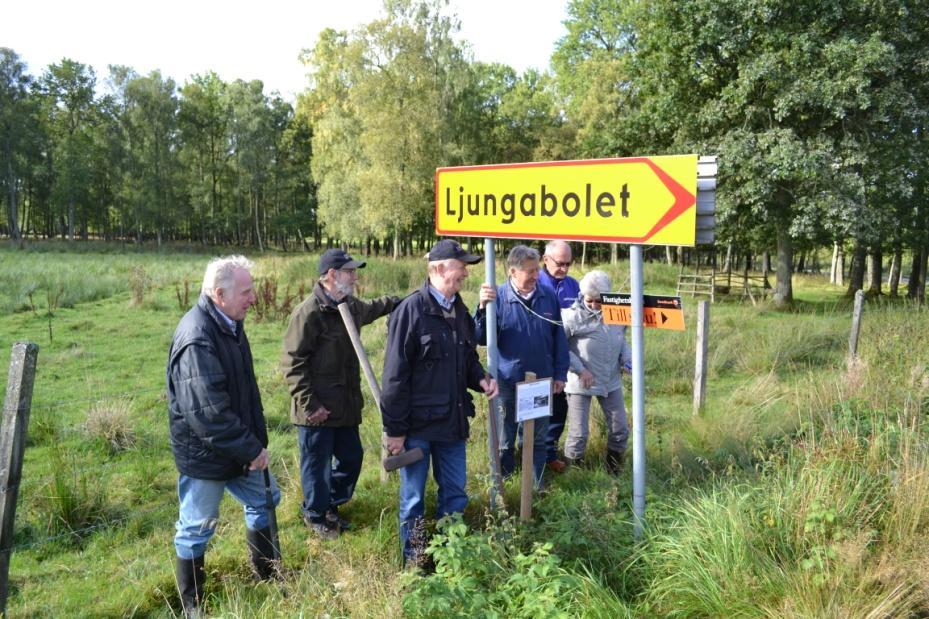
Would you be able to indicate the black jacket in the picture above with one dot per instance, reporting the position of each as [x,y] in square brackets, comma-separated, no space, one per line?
[216,419]
[428,367]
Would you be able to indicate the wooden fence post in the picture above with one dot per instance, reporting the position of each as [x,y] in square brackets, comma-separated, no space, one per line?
[12,447]
[856,326]
[700,370]
[528,472]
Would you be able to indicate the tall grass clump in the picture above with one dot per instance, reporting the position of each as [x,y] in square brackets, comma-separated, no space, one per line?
[139,283]
[827,530]
[183,299]
[272,305]
[589,524]
[110,421]
[73,501]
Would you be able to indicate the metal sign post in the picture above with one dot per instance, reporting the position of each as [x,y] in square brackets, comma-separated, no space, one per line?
[493,444]
[638,391]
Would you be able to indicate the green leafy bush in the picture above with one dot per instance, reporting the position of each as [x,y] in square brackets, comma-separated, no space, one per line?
[483,574]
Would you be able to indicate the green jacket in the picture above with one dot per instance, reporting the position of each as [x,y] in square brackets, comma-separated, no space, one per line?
[319,362]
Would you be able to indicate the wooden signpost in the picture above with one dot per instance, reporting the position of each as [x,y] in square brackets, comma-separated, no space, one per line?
[700,366]
[533,400]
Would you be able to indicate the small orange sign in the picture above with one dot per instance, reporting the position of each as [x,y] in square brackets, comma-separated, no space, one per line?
[657,313]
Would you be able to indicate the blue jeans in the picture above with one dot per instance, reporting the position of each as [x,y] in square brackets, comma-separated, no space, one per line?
[449,468]
[199,513]
[513,431]
[330,463]
[556,424]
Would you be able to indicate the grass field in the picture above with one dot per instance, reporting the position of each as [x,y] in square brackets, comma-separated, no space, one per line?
[803,489]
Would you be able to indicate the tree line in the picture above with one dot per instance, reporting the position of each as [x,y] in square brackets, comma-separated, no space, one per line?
[817,110]
[139,158]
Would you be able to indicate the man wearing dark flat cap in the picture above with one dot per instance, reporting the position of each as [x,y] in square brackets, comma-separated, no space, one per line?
[430,363]
[323,375]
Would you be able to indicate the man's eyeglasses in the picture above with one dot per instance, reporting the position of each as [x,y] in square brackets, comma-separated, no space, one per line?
[560,265]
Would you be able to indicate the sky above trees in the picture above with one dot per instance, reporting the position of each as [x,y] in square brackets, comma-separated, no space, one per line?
[247,40]
[817,110]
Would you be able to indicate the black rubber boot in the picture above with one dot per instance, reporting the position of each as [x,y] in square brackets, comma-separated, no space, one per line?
[507,463]
[261,553]
[614,461]
[190,580]
[415,556]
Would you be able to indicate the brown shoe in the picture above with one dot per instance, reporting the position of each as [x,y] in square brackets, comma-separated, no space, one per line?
[556,466]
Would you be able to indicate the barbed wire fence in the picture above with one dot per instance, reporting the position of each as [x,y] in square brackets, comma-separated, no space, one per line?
[70,471]
[73,468]
[92,464]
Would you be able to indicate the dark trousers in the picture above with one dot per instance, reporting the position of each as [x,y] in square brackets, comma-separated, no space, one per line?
[556,424]
[330,463]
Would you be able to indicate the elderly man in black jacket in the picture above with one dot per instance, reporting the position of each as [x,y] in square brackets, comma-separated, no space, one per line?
[217,425]
[430,363]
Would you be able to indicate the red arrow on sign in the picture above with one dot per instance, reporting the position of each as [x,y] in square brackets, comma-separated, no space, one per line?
[683,199]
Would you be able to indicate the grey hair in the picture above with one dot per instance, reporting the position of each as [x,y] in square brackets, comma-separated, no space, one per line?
[519,254]
[220,273]
[595,283]
[434,264]
[553,245]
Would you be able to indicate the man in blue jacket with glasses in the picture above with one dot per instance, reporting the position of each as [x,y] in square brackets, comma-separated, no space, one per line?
[556,262]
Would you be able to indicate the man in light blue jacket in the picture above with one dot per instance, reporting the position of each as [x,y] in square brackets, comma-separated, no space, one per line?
[530,338]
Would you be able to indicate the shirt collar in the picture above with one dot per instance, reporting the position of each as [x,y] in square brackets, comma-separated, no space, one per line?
[229,321]
[329,296]
[438,296]
[525,297]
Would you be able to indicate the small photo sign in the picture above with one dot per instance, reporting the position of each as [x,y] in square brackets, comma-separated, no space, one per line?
[533,399]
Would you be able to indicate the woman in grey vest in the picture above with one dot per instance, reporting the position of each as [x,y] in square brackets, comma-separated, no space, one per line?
[599,354]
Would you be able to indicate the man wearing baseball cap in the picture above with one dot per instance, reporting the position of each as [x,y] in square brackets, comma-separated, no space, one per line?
[323,375]
[430,363]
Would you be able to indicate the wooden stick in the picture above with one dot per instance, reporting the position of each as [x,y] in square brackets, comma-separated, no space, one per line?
[365,366]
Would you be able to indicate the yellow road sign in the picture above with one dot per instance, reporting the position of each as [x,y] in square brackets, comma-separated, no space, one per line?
[635,200]
[658,312]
